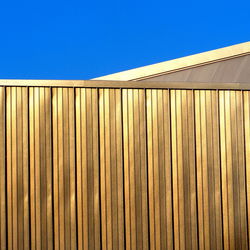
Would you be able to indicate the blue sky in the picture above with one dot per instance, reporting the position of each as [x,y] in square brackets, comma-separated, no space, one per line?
[86,39]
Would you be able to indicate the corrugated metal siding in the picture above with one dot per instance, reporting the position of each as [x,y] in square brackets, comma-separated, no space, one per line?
[101,168]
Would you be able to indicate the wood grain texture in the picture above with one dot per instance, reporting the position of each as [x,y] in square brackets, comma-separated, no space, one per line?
[135,169]
[64,168]
[105,168]
[88,204]
[208,169]
[159,169]
[233,170]
[3,243]
[111,169]
[246,98]
[184,172]
[17,168]
[40,168]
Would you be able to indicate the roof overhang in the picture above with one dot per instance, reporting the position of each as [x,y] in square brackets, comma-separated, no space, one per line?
[180,63]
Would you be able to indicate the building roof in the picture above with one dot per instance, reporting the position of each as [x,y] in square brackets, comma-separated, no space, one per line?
[229,64]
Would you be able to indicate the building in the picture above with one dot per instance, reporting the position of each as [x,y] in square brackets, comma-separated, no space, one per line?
[151,158]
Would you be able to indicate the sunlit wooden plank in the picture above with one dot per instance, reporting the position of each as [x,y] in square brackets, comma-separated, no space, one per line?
[64,168]
[3,176]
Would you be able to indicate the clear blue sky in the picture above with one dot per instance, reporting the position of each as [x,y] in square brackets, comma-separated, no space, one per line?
[86,39]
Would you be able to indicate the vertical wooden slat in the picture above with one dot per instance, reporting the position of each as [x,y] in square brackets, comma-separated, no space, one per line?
[3,244]
[126,170]
[40,168]
[95,174]
[25,160]
[233,170]
[240,182]
[111,165]
[17,168]
[64,168]
[135,169]
[88,216]
[174,170]
[214,143]
[247,152]
[183,165]
[159,169]
[168,171]
[189,146]
[120,169]
[208,169]
[193,220]
[49,162]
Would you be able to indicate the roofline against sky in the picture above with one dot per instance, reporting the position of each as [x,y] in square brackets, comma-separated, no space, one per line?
[178,64]
[124,84]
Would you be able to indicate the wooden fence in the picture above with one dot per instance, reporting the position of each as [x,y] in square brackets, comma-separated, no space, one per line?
[124,165]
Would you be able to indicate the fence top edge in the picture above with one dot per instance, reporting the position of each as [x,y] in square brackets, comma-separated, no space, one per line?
[123,84]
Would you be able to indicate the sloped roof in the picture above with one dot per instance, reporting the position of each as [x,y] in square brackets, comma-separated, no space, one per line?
[229,64]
